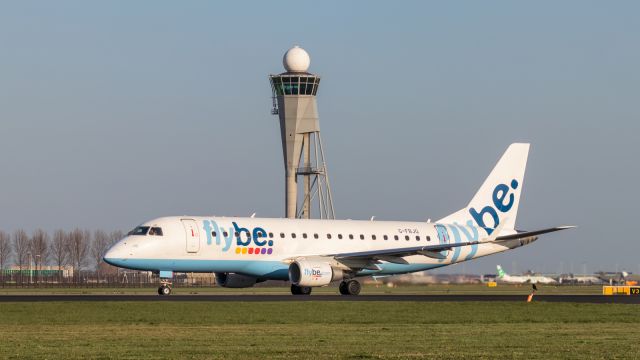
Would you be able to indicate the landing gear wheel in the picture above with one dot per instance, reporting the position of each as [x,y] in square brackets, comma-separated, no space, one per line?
[351,287]
[343,288]
[300,290]
[164,290]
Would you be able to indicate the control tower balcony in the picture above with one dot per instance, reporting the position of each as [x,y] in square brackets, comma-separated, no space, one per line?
[310,170]
[295,84]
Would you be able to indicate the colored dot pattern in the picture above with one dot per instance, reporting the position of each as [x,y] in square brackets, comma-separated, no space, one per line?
[254,251]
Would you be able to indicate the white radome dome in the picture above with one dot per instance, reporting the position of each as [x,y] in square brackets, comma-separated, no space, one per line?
[296,60]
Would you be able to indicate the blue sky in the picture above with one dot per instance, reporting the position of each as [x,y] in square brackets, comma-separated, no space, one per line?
[117,112]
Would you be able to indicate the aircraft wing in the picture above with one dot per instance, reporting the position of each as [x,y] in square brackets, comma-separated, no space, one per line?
[396,255]
[429,251]
[369,259]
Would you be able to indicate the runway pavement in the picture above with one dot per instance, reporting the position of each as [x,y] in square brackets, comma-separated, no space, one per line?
[599,299]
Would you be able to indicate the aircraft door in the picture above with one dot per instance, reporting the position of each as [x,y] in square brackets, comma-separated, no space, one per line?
[443,238]
[192,235]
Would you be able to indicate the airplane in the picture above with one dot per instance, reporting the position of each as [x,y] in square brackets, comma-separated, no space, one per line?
[313,252]
[619,278]
[523,279]
[630,278]
[580,279]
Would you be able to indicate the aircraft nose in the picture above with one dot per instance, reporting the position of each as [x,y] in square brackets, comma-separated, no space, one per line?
[117,253]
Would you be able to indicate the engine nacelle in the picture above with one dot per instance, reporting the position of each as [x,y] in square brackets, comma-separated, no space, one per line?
[313,273]
[232,280]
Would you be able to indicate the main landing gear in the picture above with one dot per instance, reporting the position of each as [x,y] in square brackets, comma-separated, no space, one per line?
[350,287]
[165,288]
[300,290]
[347,287]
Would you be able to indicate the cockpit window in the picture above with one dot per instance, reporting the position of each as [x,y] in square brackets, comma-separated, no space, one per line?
[140,230]
[155,231]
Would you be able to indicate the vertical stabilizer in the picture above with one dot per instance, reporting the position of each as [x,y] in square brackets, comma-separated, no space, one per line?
[501,272]
[497,200]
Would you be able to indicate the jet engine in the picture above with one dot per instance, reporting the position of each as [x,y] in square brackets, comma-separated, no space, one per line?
[232,280]
[313,273]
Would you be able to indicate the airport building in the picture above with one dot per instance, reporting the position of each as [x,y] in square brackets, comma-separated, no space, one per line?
[294,101]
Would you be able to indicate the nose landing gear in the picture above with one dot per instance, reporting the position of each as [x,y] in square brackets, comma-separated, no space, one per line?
[350,287]
[165,288]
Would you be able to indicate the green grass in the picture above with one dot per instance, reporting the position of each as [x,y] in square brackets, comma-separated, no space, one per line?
[432,289]
[316,330]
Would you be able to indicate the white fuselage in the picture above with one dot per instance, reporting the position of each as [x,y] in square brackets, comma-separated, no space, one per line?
[522,279]
[222,244]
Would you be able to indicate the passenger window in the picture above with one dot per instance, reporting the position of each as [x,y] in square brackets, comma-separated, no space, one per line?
[428,238]
[237,234]
[406,237]
[213,233]
[340,236]
[351,236]
[395,237]
[270,235]
[385,237]
[304,235]
[315,236]
[226,234]
[361,237]
[373,237]
[282,235]
[329,236]
[293,235]
[418,238]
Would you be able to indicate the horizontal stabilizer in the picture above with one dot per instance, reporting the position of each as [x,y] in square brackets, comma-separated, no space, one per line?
[525,234]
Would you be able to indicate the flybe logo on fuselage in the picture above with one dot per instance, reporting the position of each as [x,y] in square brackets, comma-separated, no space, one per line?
[248,241]
[502,201]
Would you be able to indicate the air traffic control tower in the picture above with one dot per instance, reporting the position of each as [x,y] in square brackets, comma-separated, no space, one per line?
[294,101]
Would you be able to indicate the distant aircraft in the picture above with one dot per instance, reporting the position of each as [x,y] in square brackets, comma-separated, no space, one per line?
[610,277]
[580,279]
[618,278]
[522,279]
[630,279]
[310,253]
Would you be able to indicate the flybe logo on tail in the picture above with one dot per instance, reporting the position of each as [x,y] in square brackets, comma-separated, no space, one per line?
[503,200]
[248,241]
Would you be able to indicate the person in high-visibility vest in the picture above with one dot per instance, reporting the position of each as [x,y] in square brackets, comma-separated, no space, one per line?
[533,291]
